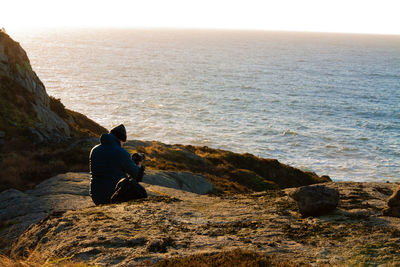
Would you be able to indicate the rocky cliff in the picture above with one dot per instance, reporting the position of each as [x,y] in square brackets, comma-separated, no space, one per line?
[39,137]
[25,107]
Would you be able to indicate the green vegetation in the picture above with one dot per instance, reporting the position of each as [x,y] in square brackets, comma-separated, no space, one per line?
[25,164]
[231,172]
[16,109]
[79,124]
[57,107]
[16,55]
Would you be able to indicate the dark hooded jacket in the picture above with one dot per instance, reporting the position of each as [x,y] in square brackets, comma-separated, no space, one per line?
[109,162]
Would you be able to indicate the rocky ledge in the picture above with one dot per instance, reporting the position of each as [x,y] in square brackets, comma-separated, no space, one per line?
[70,191]
[178,223]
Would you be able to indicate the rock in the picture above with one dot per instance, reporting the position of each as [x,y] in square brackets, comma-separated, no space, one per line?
[394,200]
[394,205]
[316,199]
[60,193]
[35,135]
[14,203]
[326,177]
[179,180]
[157,245]
[71,191]
[391,211]
[30,90]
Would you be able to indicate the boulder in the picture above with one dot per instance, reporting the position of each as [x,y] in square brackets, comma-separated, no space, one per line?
[394,199]
[391,211]
[179,180]
[59,193]
[316,200]
[394,205]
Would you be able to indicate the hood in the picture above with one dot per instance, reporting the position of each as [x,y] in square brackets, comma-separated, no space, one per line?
[109,140]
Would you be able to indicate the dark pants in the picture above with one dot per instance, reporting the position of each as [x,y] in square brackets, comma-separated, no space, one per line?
[128,189]
[101,190]
[138,191]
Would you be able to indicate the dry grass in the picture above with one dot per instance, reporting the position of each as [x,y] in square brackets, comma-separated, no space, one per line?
[79,124]
[24,165]
[231,172]
[35,260]
[236,257]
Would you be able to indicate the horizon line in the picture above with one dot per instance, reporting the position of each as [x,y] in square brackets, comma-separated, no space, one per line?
[83,27]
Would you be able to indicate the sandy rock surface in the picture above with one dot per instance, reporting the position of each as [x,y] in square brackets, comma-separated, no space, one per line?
[179,223]
[60,193]
[70,191]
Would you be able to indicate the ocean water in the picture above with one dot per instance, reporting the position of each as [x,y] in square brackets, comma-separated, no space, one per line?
[328,103]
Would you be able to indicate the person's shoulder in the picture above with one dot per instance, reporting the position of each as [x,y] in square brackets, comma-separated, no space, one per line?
[123,152]
[96,147]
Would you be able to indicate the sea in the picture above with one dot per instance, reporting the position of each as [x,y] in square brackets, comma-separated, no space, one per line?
[327,103]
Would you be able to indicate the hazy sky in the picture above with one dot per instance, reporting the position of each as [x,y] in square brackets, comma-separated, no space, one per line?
[359,16]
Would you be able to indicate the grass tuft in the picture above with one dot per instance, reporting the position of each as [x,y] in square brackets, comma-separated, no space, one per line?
[236,257]
[35,259]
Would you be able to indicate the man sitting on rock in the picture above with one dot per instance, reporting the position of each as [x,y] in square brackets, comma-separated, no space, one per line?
[109,163]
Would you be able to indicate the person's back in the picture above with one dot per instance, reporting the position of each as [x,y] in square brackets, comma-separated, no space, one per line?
[109,162]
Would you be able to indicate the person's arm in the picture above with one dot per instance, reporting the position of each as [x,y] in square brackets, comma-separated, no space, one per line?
[140,174]
[129,167]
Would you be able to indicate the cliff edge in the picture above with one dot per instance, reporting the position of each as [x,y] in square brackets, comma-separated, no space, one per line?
[39,137]
[25,107]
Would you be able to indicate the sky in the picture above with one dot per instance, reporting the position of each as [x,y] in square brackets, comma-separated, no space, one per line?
[349,16]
